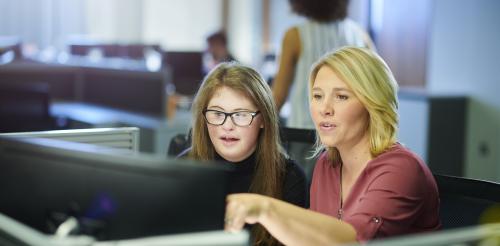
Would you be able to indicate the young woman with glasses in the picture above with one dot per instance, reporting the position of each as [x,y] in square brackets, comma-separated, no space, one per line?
[235,121]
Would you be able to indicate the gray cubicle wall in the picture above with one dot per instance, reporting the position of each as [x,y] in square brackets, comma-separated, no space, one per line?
[414,123]
[434,127]
[120,137]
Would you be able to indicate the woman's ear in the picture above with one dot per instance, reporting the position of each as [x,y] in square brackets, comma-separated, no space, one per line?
[262,125]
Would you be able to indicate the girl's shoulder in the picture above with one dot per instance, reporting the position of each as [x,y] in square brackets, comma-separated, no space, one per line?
[292,168]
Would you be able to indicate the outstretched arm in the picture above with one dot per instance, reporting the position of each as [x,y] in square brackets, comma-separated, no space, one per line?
[289,224]
[290,51]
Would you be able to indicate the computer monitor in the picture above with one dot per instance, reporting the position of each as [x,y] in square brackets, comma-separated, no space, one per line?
[187,70]
[44,181]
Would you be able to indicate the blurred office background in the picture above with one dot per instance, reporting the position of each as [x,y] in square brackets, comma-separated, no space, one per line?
[90,63]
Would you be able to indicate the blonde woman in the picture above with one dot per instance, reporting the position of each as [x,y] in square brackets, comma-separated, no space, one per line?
[235,121]
[365,184]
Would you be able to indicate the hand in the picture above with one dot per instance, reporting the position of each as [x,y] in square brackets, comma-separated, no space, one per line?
[244,208]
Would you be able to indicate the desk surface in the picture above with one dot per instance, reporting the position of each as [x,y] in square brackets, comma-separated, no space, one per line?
[18,233]
[99,115]
[211,238]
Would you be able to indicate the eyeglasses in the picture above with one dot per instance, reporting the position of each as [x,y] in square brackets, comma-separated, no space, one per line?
[242,118]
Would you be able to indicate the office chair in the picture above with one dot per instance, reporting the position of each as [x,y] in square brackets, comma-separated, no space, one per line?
[464,201]
[179,143]
[299,144]
[290,135]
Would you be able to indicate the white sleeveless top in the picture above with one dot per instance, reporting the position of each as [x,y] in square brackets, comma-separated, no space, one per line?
[316,39]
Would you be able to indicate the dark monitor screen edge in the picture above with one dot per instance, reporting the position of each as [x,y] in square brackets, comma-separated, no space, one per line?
[112,196]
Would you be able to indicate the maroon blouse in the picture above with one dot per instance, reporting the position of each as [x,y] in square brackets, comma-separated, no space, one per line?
[395,194]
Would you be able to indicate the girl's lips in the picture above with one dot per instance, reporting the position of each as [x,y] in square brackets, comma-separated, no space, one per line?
[229,140]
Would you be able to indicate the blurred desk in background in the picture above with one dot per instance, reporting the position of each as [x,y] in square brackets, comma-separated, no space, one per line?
[110,92]
[130,88]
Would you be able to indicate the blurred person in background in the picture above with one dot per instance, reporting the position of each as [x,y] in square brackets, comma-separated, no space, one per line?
[217,51]
[326,28]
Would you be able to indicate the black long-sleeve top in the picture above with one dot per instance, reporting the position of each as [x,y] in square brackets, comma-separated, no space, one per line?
[295,190]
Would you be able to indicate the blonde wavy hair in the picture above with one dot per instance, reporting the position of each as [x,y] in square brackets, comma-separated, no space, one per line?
[373,83]
[270,156]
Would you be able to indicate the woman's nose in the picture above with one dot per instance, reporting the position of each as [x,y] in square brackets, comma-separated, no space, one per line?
[327,108]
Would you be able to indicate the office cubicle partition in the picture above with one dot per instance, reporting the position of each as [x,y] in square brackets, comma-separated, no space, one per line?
[120,137]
